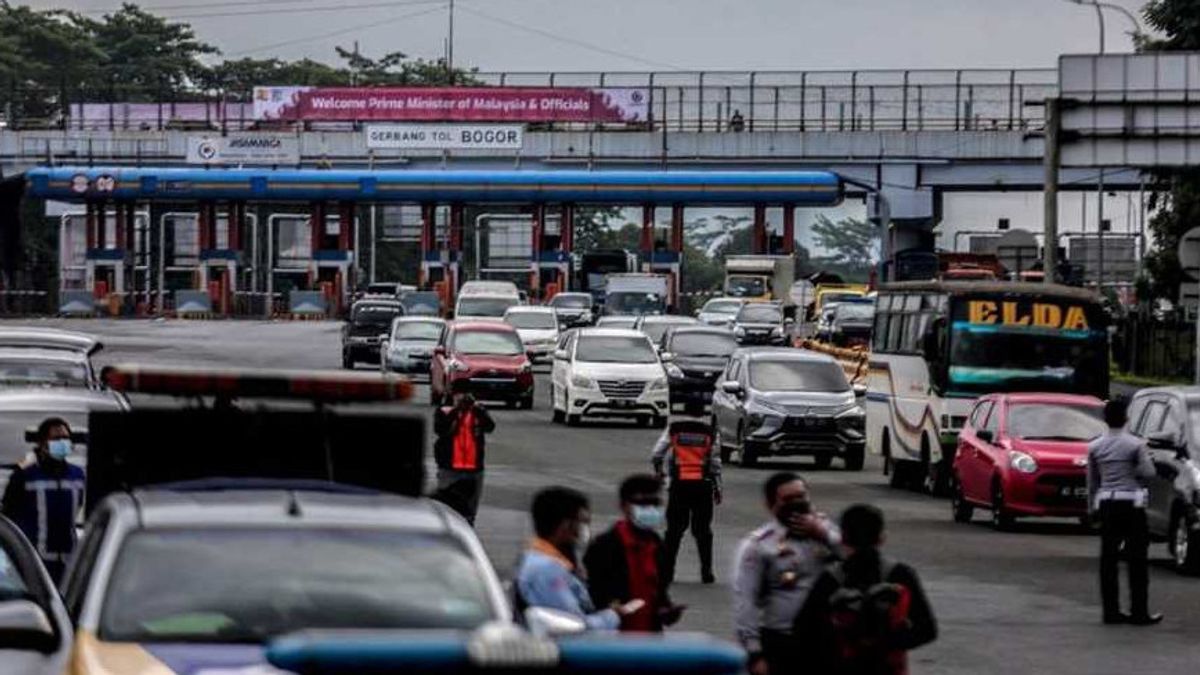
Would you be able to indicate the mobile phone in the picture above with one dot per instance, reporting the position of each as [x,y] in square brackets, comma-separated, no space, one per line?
[633,606]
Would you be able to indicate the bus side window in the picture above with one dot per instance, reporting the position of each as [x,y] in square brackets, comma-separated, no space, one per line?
[895,341]
[879,332]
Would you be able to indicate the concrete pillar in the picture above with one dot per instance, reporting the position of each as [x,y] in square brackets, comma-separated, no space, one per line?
[677,228]
[789,229]
[345,226]
[647,240]
[758,239]
[318,226]
[91,225]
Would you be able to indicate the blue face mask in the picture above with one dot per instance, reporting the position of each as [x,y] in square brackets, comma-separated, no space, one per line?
[59,448]
[647,517]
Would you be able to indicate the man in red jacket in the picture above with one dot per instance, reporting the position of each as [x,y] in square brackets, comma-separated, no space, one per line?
[626,563]
[459,451]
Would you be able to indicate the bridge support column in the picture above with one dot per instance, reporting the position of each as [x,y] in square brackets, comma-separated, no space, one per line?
[758,238]
[789,229]
[647,239]
[566,244]
[428,245]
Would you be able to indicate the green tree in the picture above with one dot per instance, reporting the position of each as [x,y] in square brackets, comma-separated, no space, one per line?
[398,69]
[148,58]
[1175,199]
[236,79]
[848,241]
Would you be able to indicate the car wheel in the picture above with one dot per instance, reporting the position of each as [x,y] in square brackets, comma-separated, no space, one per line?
[855,458]
[1001,519]
[527,403]
[573,420]
[1184,545]
[556,416]
[347,361]
[960,508]
[823,460]
[746,456]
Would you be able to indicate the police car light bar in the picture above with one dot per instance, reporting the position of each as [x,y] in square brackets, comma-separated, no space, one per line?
[317,386]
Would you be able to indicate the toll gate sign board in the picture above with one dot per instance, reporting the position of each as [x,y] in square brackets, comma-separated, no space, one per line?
[452,104]
[444,136]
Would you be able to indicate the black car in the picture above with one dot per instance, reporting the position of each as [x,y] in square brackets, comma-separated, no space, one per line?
[788,402]
[761,323]
[695,356]
[852,323]
[369,320]
[574,309]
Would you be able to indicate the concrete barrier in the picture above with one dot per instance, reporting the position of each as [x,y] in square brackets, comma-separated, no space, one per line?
[76,303]
[193,304]
[307,303]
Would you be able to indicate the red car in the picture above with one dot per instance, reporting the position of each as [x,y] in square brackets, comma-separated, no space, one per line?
[1025,455]
[487,359]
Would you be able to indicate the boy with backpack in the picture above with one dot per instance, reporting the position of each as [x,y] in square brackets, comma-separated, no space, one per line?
[865,613]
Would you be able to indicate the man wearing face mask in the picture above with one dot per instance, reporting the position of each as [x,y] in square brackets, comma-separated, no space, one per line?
[43,496]
[546,574]
[776,567]
[625,565]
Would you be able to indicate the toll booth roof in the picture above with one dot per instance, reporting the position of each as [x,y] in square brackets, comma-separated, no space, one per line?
[167,184]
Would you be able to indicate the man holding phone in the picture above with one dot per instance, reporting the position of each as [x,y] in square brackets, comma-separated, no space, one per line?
[777,565]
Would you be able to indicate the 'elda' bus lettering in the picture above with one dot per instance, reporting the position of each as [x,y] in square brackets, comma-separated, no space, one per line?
[1040,315]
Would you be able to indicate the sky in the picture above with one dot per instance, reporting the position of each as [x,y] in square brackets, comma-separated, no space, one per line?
[563,35]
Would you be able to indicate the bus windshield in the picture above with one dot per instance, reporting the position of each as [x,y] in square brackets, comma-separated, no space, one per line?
[1027,344]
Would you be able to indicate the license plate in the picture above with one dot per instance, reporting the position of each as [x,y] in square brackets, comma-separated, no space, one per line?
[621,403]
[1075,492]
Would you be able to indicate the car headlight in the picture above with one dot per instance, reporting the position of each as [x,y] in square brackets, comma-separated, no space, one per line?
[658,384]
[1022,462]
[674,371]
[776,331]
[755,420]
[739,331]
[582,382]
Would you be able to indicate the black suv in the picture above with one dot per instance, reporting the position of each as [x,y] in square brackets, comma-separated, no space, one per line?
[1169,419]
[370,322]
[761,323]
[788,402]
[694,357]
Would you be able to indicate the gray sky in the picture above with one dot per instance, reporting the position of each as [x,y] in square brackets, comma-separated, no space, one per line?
[659,34]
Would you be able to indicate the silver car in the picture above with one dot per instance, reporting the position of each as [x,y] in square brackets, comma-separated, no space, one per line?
[410,343]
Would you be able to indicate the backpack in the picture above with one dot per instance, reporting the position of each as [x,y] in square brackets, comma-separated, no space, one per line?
[863,620]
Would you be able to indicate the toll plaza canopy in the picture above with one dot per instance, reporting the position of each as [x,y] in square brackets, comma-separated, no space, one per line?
[84,184]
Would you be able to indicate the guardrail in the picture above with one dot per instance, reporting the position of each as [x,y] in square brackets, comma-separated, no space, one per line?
[703,101]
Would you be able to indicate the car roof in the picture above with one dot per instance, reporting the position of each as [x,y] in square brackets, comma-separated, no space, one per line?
[667,318]
[529,309]
[49,354]
[48,338]
[419,318]
[168,508]
[376,302]
[783,354]
[571,294]
[1186,391]
[496,326]
[699,328]
[611,332]
[1050,397]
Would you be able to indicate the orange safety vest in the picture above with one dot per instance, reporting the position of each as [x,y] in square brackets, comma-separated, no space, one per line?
[466,451]
[691,450]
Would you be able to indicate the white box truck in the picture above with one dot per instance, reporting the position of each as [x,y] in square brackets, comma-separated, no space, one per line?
[636,294]
[761,277]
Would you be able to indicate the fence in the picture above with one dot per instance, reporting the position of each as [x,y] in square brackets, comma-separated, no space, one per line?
[714,101]
[1156,348]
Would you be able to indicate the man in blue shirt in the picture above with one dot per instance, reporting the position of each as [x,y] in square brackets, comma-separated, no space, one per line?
[547,573]
[44,496]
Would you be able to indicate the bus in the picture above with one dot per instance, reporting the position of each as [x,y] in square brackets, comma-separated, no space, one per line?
[938,345]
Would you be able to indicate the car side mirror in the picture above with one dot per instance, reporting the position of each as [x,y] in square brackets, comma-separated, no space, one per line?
[732,387]
[859,389]
[560,355]
[439,350]
[985,435]
[25,625]
[546,622]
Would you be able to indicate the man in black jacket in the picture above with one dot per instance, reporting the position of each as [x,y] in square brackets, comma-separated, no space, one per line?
[865,613]
[625,563]
[459,450]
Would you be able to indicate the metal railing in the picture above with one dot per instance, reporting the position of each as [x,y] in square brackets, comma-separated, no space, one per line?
[704,101]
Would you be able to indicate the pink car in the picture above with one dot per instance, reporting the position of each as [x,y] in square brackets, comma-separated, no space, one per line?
[1025,455]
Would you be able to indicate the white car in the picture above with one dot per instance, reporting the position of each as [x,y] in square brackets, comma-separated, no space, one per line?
[608,372]
[720,311]
[482,307]
[537,327]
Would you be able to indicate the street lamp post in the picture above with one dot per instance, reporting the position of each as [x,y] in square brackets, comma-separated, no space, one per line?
[1100,7]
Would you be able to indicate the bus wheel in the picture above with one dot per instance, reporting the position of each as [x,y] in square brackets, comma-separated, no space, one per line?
[891,468]
[934,477]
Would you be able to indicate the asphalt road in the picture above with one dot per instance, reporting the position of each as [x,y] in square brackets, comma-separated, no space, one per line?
[1018,602]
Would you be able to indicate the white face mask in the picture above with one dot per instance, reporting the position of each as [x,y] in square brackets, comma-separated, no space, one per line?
[585,536]
[649,518]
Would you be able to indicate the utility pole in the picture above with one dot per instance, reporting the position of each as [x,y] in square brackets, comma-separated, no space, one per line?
[1050,198]
[450,47]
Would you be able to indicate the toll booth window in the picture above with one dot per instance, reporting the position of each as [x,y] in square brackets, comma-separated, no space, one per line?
[282,580]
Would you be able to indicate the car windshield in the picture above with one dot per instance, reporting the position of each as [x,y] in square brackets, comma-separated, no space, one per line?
[746,287]
[722,307]
[840,297]
[656,329]
[476,306]
[417,330]
[703,344]
[614,349]
[635,303]
[797,375]
[761,314]
[532,320]
[498,343]
[375,315]
[422,302]
[18,372]
[382,289]
[571,301]
[855,311]
[1055,422]
[286,579]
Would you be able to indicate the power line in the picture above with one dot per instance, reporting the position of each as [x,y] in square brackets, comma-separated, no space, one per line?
[334,33]
[570,41]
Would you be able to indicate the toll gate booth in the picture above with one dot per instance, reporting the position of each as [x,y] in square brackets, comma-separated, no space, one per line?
[312,250]
[200,251]
[106,252]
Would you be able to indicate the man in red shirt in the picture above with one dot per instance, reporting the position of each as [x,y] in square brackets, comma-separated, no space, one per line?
[459,451]
[626,562]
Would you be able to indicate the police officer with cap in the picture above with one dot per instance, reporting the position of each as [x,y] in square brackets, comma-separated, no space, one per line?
[694,470]
[777,565]
[1118,467]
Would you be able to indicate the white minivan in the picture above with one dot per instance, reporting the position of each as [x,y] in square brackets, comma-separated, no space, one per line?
[605,373]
